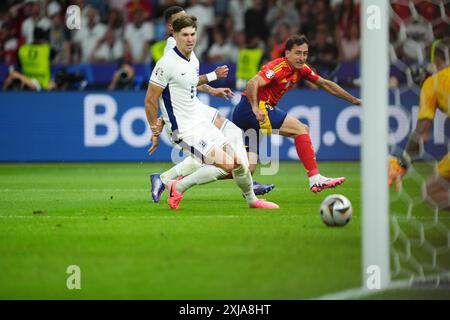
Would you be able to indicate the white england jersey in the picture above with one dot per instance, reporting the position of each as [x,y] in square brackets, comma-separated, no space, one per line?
[178,76]
[208,112]
[172,43]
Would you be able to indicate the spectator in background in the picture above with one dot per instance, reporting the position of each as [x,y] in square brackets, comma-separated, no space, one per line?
[249,59]
[59,34]
[118,4]
[14,17]
[221,50]
[144,6]
[109,49]
[255,18]
[9,42]
[269,47]
[204,11]
[348,14]
[102,7]
[35,62]
[325,53]
[349,47]
[239,42]
[306,20]
[414,37]
[36,19]
[115,22]
[442,28]
[123,78]
[138,35]
[322,14]
[237,9]
[227,24]
[283,33]
[87,37]
[283,12]
[220,7]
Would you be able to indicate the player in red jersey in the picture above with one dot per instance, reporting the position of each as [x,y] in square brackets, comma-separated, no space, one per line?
[257,108]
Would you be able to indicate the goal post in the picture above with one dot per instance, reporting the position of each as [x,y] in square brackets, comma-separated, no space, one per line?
[374,147]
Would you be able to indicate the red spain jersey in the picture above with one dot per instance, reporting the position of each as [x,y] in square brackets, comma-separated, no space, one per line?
[280,77]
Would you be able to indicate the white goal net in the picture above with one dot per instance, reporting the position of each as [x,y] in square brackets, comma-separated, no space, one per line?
[419,223]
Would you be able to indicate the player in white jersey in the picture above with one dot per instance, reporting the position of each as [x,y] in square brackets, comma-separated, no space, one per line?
[231,131]
[174,83]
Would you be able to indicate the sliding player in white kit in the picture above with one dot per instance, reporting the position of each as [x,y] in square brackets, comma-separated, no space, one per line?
[229,129]
[174,83]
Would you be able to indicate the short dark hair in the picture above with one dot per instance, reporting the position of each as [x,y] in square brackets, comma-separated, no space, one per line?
[296,40]
[183,22]
[169,12]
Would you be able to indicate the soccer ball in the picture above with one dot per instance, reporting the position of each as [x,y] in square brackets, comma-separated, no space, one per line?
[336,210]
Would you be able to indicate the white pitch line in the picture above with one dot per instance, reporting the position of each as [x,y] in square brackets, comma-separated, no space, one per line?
[95,190]
[34,216]
[148,217]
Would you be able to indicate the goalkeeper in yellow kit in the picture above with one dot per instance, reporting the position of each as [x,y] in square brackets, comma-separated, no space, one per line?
[434,94]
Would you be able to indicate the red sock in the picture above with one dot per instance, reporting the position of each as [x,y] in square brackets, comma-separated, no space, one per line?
[305,151]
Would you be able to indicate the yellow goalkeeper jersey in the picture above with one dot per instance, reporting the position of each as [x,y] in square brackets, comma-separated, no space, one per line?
[435,93]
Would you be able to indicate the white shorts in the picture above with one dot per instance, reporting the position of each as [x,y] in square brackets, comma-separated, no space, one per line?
[210,113]
[199,141]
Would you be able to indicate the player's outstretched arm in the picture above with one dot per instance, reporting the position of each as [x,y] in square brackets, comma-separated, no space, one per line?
[398,166]
[336,90]
[252,88]
[216,92]
[151,111]
[418,138]
[218,73]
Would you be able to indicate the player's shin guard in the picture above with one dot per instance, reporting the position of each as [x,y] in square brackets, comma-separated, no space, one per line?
[305,151]
[244,180]
[205,174]
[184,168]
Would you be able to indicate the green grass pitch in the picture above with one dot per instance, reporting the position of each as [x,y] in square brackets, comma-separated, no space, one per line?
[100,217]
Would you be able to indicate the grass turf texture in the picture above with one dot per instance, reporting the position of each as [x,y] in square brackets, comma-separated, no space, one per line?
[101,218]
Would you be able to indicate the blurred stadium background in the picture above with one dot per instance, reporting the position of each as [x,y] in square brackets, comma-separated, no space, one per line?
[89,108]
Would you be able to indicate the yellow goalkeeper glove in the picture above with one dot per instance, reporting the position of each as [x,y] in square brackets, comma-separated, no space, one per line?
[396,172]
